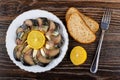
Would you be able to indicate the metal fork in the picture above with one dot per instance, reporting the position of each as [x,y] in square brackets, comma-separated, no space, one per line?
[104,26]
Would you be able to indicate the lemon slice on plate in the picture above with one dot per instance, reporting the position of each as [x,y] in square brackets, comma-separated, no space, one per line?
[36,39]
[78,55]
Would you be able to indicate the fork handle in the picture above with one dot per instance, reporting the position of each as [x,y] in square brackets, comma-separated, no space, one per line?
[94,66]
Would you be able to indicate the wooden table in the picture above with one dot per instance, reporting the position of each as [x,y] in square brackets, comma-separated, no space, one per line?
[109,66]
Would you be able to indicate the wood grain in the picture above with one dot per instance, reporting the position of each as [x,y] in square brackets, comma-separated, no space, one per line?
[109,67]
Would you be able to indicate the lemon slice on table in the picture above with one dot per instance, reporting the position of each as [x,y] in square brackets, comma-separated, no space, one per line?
[36,39]
[78,55]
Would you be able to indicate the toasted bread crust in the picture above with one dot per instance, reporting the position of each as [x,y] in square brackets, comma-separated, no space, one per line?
[79,30]
[92,24]
[69,12]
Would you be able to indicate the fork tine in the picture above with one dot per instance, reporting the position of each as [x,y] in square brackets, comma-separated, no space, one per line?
[106,16]
[103,16]
[109,16]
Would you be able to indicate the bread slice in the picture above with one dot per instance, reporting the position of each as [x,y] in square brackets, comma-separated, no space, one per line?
[92,24]
[79,30]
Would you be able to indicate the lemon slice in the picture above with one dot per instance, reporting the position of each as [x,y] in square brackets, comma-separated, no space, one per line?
[78,55]
[36,39]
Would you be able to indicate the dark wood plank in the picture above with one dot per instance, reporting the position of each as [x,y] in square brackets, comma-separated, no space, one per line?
[109,67]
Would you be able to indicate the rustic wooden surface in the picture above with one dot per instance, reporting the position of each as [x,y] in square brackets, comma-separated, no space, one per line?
[109,67]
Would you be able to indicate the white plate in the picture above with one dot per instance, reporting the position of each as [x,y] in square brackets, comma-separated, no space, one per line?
[11,36]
